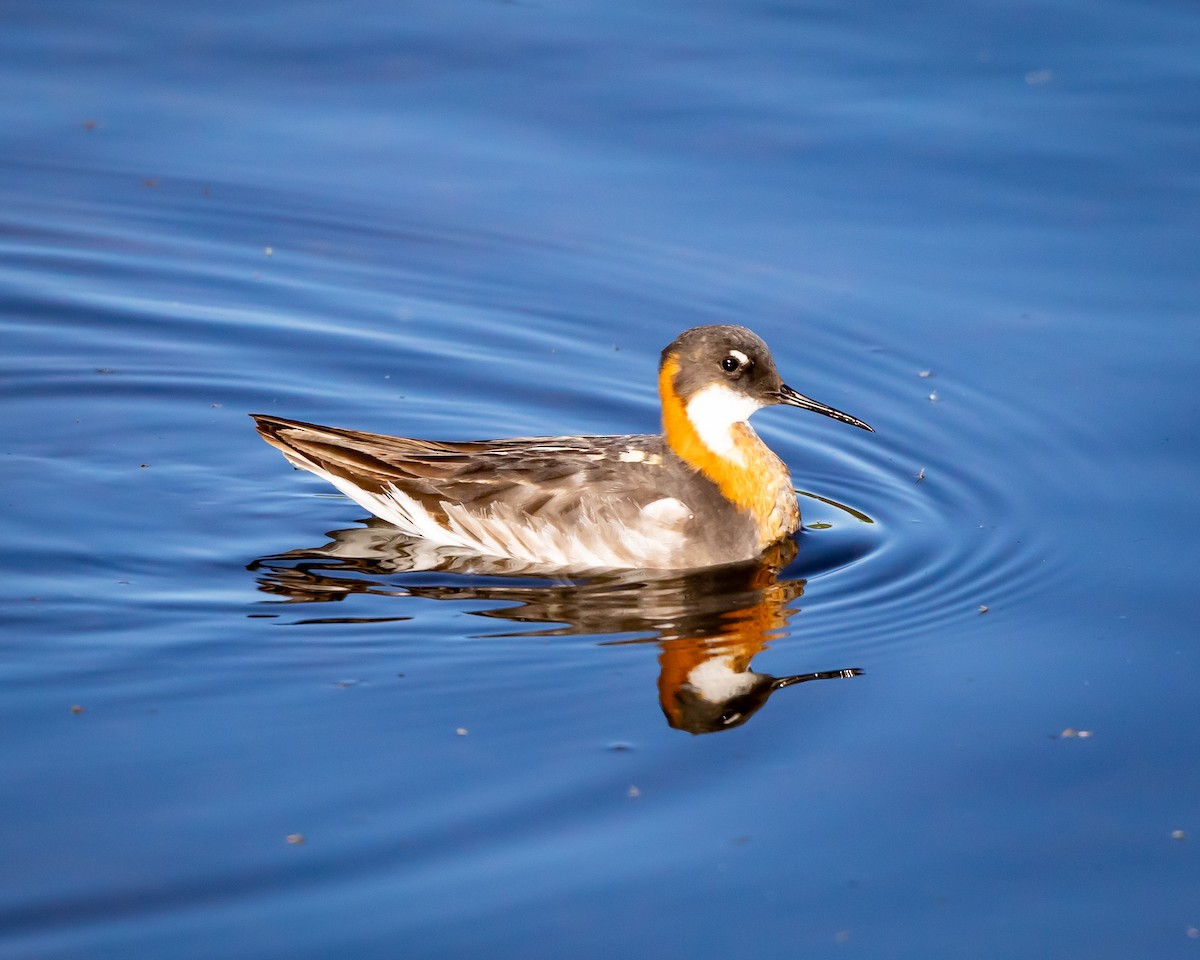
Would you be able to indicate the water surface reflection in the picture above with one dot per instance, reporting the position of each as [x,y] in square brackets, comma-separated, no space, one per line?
[709,624]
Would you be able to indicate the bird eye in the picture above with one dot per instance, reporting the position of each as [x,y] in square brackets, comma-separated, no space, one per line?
[730,364]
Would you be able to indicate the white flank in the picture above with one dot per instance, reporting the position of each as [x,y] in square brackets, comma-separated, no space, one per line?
[713,411]
[600,538]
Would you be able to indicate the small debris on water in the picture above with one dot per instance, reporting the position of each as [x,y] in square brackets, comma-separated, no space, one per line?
[77,710]
[983,608]
[634,793]
[269,251]
[620,746]
[843,936]
[461,731]
[346,684]
[921,475]
[925,374]
[933,397]
[296,839]
[1072,732]
[1178,835]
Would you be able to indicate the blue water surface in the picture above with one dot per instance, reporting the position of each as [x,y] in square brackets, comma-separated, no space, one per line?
[240,721]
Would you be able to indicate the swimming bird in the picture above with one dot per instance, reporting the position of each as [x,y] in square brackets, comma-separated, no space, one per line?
[705,491]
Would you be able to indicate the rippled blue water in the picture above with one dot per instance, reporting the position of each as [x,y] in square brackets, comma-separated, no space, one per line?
[237,724]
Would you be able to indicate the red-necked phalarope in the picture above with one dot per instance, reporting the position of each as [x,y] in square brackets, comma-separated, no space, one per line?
[706,491]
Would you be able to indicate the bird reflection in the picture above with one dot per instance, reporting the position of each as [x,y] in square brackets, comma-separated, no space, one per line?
[708,624]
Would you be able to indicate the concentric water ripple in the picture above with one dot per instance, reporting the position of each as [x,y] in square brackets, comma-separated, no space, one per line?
[912,527]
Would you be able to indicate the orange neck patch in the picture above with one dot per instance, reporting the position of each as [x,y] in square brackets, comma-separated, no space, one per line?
[756,485]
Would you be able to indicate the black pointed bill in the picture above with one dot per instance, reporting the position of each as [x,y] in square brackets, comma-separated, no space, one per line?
[780,682]
[793,399]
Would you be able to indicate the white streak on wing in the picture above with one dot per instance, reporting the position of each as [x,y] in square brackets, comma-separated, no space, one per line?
[668,511]
[717,681]
[713,411]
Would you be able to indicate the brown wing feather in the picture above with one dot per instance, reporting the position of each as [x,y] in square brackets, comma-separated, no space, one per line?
[528,473]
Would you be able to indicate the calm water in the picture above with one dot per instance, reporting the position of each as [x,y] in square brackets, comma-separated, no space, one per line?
[237,723]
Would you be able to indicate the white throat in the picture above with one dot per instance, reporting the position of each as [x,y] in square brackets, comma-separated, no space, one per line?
[716,680]
[713,412]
